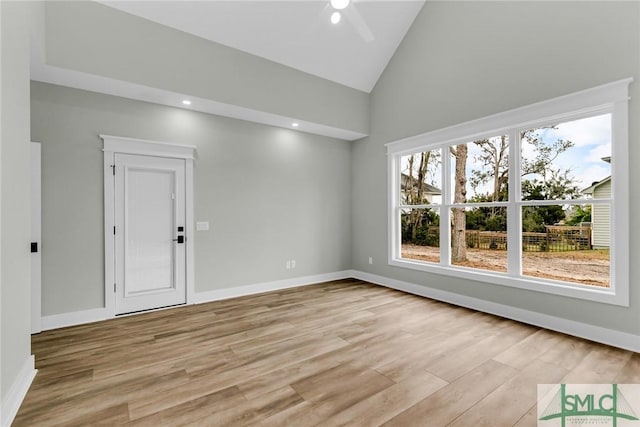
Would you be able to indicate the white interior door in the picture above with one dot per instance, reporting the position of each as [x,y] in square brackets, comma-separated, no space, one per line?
[36,242]
[149,232]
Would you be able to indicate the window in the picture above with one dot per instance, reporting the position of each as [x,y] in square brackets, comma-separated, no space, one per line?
[535,198]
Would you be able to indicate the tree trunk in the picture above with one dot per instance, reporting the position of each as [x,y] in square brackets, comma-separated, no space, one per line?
[458,237]
[410,188]
[419,196]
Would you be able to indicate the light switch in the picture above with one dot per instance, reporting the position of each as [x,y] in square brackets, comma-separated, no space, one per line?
[202,226]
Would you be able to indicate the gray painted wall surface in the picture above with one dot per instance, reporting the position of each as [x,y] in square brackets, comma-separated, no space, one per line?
[270,194]
[466,60]
[89,37]
[15,224]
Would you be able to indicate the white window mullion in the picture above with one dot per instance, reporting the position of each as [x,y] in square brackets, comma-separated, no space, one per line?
[445,211]
[619,216]
[603,201]
[514,213]
[394,230]
[610,99]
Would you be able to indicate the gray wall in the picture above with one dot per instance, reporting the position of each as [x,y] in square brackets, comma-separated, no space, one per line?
[270,194]
[466,60]
[89,37]
[15,214]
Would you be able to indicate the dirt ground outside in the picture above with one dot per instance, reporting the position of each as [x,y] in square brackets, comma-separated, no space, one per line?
[589,267]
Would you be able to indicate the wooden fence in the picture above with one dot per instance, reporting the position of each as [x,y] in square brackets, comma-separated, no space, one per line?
[487,239]
[556,238]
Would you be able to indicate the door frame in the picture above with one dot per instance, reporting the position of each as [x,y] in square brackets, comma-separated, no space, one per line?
[36,236]
[120,145]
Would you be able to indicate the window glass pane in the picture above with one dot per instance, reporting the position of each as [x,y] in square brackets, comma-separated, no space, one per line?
[568,160]
[479,238]
[421,178]
[567,243]
[420,234]
[479,170]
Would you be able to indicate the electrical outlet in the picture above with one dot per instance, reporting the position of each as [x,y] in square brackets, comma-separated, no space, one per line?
[288,265]
[293,263]
[370,260]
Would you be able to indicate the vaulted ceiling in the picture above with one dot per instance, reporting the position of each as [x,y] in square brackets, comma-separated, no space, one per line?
[280,63]
[298,34]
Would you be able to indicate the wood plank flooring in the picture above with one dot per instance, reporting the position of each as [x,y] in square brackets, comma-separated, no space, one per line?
[338,353]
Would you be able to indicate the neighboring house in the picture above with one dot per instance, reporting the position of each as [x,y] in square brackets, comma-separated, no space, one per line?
[600,214]
[428,190]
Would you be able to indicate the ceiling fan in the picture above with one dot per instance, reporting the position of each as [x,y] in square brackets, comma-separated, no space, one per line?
[350,11]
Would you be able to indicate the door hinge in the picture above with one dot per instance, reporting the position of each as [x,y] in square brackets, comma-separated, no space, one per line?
[114,169]
[114,288]
[114,230]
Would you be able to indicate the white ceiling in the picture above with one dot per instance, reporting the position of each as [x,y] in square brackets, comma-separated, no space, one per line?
[294,33]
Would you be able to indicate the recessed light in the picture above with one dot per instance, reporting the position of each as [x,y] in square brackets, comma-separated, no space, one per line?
[295,125]
[335,17]
[340,4]
[186,102]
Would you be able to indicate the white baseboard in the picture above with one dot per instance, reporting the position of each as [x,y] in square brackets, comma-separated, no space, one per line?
[74,318]
[18,390]
[591,332]
[258,288]
[594,333]
[97,314]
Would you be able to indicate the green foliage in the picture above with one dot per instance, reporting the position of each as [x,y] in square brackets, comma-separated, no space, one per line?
[534,218]
[532,221]
[420,227]
[558,185]
[487,219]
[425,237]
[497,222]
[578,214]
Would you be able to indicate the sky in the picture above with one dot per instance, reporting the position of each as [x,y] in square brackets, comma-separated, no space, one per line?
[592,141]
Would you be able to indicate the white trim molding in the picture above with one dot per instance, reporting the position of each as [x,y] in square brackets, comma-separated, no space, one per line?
[97,314]
[121,145]
[63,320]
[36,236]
[584,102]
[259,288]
[144,147]
[13,399]
[599,334]
[42,72]
[609,99]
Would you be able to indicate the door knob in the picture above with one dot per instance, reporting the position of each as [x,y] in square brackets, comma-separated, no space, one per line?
[180,239]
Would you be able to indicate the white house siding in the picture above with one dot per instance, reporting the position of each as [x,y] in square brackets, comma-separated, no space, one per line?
[601,218]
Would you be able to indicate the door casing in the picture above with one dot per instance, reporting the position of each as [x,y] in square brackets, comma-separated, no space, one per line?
[121,145]
[36,237]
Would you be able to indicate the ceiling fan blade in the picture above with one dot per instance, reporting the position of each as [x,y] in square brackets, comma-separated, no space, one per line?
[324,16]
[359,23]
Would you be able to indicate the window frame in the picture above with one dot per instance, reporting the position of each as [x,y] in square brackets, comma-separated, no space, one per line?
[610,98]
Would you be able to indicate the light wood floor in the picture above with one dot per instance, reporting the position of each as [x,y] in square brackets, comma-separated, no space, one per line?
[338,353]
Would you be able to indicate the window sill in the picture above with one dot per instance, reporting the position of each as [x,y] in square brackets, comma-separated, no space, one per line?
[584,292]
